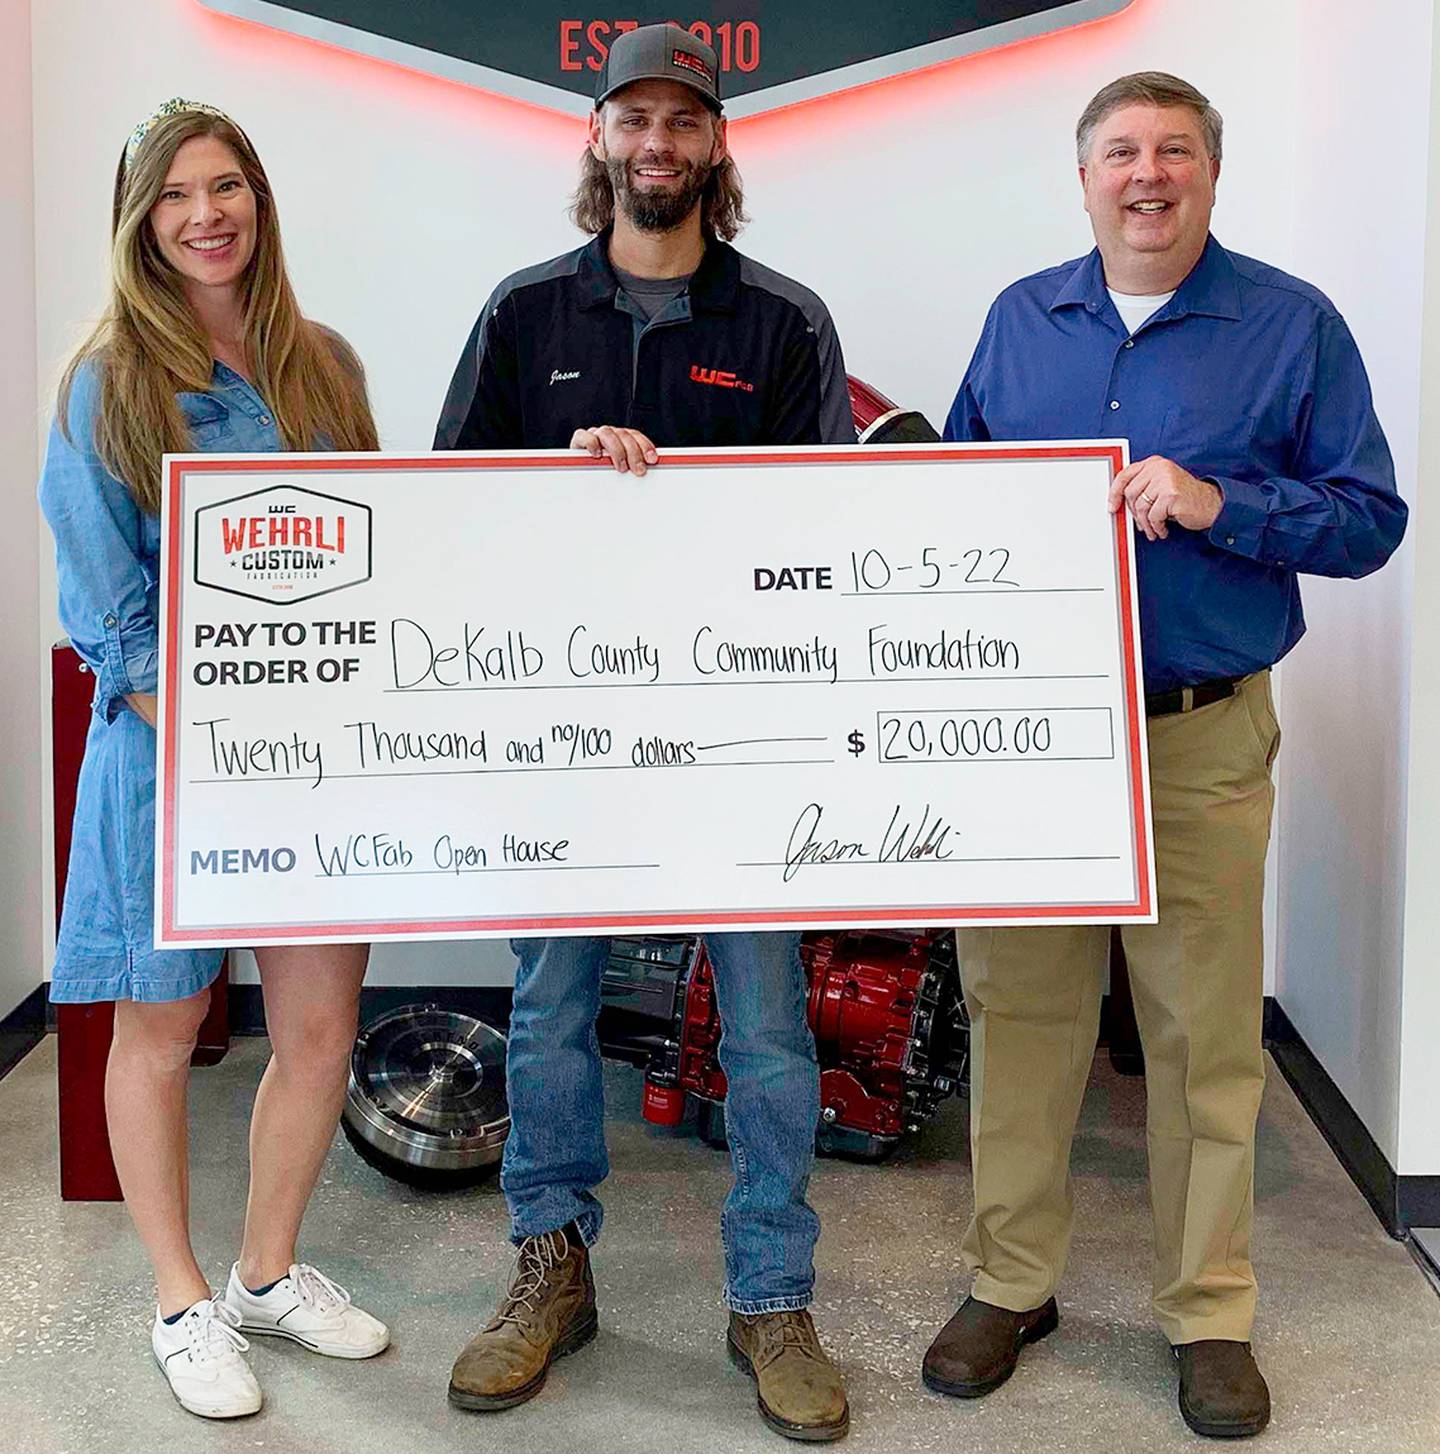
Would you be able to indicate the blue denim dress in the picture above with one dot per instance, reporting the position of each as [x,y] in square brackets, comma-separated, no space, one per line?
[108,559]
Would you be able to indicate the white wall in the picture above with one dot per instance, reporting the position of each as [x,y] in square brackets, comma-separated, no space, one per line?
[1342,819]
[1419,1020]
[21,851]
[907,206]
[405,199]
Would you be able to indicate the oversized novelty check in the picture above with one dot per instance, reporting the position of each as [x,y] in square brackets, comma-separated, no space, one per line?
[514,694]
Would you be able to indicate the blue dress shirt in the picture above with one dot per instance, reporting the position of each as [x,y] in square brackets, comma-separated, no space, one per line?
[1247,377]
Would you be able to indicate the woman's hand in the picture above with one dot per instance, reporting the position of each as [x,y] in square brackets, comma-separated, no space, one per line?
[145,705]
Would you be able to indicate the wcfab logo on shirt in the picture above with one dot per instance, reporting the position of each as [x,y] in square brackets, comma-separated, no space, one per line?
[720,378]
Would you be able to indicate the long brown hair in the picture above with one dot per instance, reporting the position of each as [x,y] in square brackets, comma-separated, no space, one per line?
[149,345]
[722,203]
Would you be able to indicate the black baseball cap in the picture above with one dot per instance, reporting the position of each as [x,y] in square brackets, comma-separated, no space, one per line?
[660,53]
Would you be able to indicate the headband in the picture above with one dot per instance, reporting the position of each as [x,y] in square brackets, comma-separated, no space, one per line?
[174,107]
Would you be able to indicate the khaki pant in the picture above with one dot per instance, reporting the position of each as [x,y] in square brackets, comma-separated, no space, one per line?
[1034,1001]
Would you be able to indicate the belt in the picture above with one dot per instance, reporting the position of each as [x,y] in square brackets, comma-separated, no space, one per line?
[1187,699]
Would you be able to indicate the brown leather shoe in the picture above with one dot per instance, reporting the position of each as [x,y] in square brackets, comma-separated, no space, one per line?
[977,1350]
[1222,1393]
[798,1390]
[547,1312]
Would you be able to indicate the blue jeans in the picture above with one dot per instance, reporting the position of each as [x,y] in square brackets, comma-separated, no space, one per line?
[555,1155]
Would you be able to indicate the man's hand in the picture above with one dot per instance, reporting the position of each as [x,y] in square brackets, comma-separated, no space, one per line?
[629,450]
[1157,490]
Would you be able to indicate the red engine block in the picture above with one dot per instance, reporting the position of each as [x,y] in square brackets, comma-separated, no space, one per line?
[888,1026]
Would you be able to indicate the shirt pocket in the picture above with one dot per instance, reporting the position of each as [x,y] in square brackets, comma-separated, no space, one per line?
[207,419]
[1209,441]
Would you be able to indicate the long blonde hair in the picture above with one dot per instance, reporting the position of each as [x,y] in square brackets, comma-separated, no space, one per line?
[149,345]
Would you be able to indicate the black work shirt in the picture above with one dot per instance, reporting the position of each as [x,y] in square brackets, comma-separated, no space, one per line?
[745,356]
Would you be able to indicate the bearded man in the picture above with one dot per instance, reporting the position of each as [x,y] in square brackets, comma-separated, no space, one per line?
[655,331]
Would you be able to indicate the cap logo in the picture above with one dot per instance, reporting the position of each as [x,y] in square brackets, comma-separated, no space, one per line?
[687,62]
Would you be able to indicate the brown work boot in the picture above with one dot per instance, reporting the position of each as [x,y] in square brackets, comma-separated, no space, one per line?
[1222,1392]
[547,1312]
[798,1389]
[977,1350]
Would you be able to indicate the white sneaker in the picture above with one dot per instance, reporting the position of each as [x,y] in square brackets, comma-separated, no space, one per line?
[201,1356]
[306,1307]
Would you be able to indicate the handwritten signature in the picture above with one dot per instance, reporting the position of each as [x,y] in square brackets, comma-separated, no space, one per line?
[907,841]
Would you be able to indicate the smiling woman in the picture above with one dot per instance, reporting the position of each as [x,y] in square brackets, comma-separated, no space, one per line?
[198,278]
[203,348]
[204,219]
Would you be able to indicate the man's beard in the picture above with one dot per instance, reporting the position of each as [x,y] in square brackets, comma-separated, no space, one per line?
[657,209]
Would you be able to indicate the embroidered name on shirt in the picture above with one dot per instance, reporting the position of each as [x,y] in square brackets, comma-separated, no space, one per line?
[558,378]
[720,378]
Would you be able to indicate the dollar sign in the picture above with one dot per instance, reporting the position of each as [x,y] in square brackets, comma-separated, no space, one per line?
[857,742]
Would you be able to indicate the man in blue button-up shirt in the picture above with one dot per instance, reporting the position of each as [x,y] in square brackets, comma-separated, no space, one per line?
[1257,457]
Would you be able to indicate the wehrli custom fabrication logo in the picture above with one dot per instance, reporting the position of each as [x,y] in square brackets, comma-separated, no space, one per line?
[550,51]
[689,62]
[720,378]
[282,545]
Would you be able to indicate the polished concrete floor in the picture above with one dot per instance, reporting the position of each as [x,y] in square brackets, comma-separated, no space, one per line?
[1349,1330]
